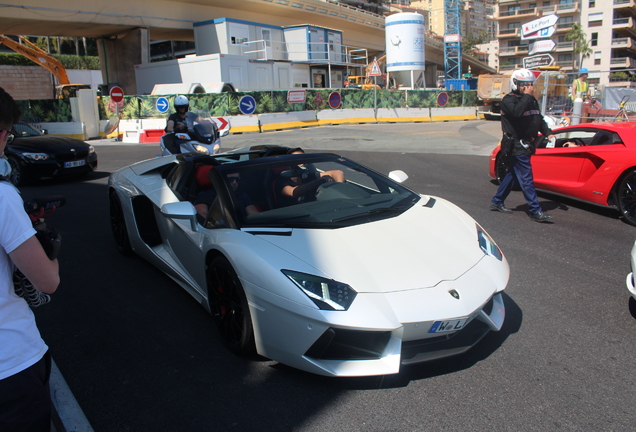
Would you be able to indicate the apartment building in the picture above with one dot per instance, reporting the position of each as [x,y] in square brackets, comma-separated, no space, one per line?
[610,27]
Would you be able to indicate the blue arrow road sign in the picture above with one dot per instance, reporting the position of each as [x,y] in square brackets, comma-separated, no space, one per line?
[162,104]
[247,104]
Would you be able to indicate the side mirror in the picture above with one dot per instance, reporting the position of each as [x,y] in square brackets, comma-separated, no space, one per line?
[398,176]
[44,131]
[181,210]
[224,132]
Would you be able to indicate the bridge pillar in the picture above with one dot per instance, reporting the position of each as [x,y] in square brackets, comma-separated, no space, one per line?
[119,55]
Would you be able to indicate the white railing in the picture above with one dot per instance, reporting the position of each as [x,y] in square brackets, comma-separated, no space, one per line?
[310,52]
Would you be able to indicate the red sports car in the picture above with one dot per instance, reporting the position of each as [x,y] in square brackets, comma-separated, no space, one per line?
[592,162]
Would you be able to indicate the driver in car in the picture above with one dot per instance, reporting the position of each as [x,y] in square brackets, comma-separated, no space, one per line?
[296,189]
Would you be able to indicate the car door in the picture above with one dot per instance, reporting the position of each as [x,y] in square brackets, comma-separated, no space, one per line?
[557,167]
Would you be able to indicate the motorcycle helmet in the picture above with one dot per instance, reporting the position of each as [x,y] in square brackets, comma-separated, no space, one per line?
[583,71]
[521,77]
[181,102]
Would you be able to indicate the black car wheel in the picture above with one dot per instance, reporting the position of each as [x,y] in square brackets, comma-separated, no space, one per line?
[627,197]
[118,225]
[229,307]
[18,176]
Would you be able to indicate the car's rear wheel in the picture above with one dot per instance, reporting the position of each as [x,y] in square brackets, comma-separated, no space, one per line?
[229,307]
[627,197]
[118,225]
[18,175]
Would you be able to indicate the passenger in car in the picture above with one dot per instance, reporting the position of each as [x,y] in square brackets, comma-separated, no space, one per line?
[207,196]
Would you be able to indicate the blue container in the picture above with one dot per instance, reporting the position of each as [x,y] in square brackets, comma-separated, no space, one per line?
[461,84]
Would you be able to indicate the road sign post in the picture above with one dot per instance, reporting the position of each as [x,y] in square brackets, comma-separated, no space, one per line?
[117,95]
[538,61]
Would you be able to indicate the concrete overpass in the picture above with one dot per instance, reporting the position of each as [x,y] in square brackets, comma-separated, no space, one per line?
[124,28]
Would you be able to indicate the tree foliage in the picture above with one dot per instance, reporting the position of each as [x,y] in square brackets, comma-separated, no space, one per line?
[581,46]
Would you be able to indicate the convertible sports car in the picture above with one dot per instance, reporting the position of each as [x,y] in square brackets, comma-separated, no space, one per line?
[33,155]
[592,162]
[347,278]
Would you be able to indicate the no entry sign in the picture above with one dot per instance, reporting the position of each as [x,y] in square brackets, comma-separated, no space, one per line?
[117,94]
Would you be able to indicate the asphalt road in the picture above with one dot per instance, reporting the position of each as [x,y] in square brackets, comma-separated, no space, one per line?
[140,354]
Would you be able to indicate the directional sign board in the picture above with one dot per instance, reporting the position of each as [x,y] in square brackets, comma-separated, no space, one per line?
[538,61]
[541,46]
[162,104]
[375,69]
[116,94]
[538,24]
[247,105]
[543,33]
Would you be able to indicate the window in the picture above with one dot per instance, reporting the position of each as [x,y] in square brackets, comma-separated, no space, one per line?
[239,33]
[595,20]
[591,4]
[597,58]
[546,3]
[594,39]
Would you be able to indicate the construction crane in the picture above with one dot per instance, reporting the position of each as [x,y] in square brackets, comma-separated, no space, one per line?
[64,89]
[452,40]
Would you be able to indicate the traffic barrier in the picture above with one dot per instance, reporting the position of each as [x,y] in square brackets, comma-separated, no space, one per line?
[345,116]
[399,115]
[288,120]
[459,113]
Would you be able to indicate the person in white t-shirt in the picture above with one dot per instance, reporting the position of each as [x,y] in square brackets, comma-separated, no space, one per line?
[25,365]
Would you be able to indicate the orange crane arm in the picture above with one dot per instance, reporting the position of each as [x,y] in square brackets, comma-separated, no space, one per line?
[38,56]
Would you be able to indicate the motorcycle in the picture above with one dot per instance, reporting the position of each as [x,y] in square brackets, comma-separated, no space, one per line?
[203,136]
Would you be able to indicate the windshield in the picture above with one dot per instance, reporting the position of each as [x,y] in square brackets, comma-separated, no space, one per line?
[25,130]
[310,191]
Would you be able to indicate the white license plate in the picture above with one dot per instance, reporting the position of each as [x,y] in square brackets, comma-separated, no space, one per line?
[449,326]
[74,164]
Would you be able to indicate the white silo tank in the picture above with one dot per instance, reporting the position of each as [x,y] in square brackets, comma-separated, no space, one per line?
[405,48]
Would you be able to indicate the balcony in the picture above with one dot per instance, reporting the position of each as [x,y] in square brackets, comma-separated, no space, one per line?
[508,33]
[624,25]
[622,63]
[625,5]
[560,10]
[624,43]
[564,46]
[516,14]
[513,51]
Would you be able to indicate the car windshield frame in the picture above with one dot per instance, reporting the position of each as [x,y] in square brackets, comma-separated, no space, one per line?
[22,129]
[365,196]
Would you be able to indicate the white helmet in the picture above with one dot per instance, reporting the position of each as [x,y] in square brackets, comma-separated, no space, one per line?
[520,77]
[181,102]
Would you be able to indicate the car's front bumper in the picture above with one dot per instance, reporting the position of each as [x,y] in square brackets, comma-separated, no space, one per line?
[52,168]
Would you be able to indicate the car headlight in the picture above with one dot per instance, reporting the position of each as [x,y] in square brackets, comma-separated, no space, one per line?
[36,156]
[327,294]
[488,245]
[201,149]
[91,149]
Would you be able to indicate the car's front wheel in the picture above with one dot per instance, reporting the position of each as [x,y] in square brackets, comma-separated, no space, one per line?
[118,225]
[229,307]
[627,197]
[18,175]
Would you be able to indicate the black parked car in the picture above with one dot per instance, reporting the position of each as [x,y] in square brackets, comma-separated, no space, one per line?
[34,155]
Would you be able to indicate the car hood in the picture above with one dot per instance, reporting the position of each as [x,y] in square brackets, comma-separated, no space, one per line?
[47,143]
[418,249]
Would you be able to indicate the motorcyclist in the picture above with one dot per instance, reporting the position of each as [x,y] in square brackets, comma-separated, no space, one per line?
[176,123]
[177,120]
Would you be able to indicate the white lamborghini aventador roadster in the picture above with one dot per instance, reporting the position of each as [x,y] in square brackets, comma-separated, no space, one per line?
[313,260]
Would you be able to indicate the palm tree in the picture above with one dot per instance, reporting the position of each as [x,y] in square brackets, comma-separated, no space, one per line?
[581,46]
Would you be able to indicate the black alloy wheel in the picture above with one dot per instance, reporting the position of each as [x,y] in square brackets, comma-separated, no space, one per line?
[627,198]
[118,225]
[229,307]
[500,169]
[18,176]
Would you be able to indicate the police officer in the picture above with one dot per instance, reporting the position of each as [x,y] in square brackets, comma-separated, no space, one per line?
[521,121]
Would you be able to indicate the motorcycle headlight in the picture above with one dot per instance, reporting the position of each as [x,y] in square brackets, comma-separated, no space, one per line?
[488,245]
[327,294]
[36,156]
[201,149]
